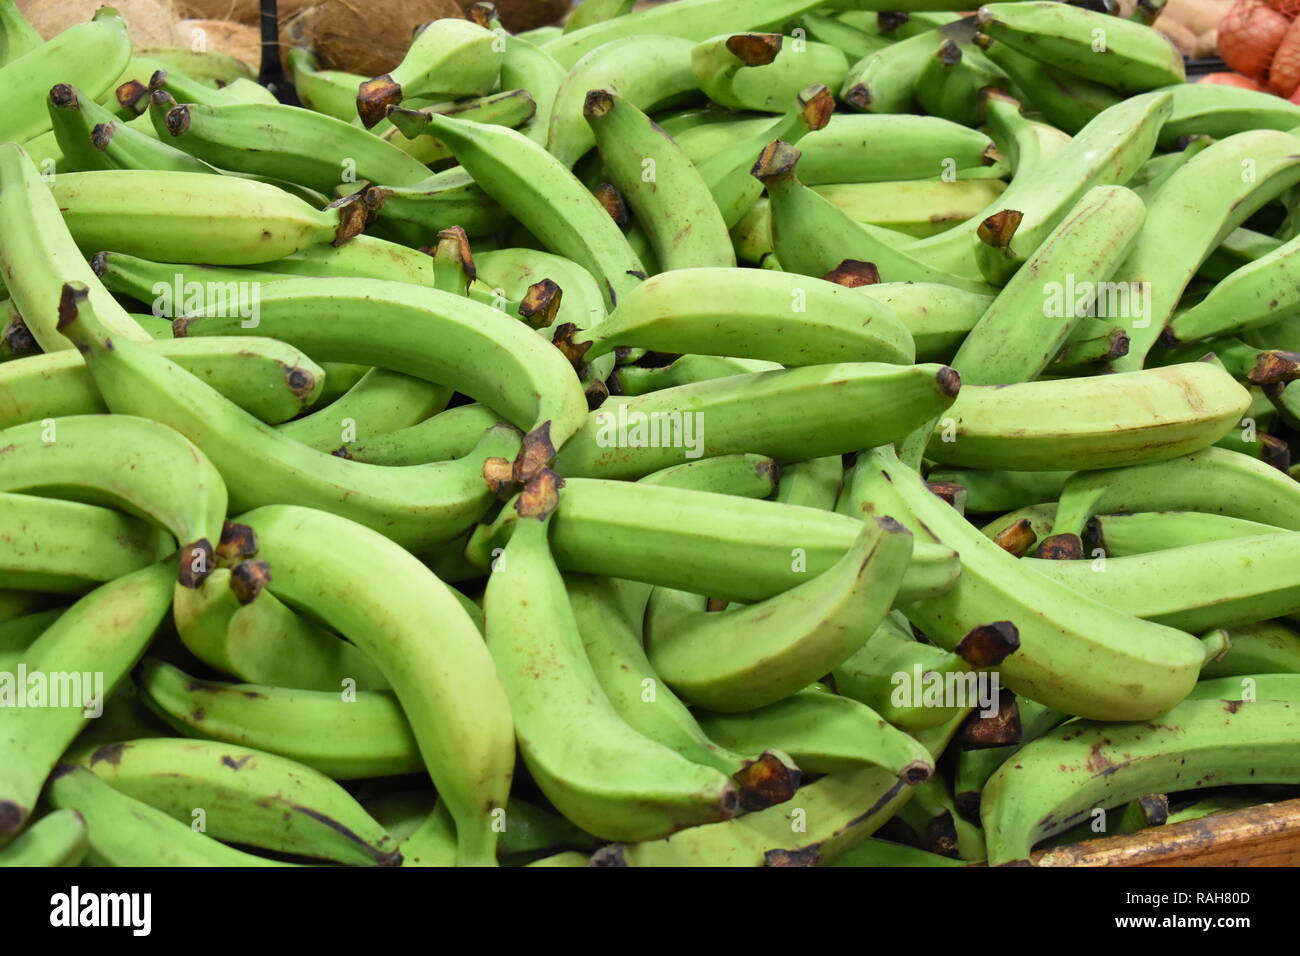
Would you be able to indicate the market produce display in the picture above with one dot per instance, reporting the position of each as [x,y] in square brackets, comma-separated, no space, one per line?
[718,433]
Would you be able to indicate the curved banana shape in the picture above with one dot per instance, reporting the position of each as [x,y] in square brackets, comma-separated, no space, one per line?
[1075,654]
[124,831]
[885,81]
[1253,295]
[991,492]
[748,658]
[811,484]
[687,370]
[92,138]
[17,36]
[671,201]
[132,463]
[1058,779]
[1202,110]
[1133,417]
[546,198]
[1065,100]
[266,378]
[824,733]
[1197,587]
[1266,647]
[1020,334]
[1126,535]
[766,413]
[380,403]
[91,55]
[343,739]
[644,70]
[65,547]
[761,71]
[447,435]
[420,505]
[220,220]
[56,839]
[619,784]
[394,609]
[748,476]
[938,316]
[902,147]
[233,624]
[103,633]
[777,316]
[248,797]
[38,255]
[526,66]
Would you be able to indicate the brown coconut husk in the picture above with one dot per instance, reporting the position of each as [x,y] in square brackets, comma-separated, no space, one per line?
[369,37]
[240,11]
[148,21]
[519,15]
[239,40]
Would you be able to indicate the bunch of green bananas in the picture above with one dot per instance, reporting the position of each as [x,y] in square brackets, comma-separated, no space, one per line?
[732,408]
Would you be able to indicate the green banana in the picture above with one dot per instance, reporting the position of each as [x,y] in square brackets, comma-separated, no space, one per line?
[1028,144]
[811,484]
[989,492]
[220,220]
[902,147]
[332,92]
[17,634]
[124,831]
[446,199]
[1011,343]
[546,198]
[728,547]
[1257,294]
[89,55]
[37,253]
[620,785]
[589,12]
[286,142]
[449,57]
[932,816]
[65,547]
[764,72]
[1059,778]
[56,839]
[94,138]
[812,236]
[764,412]
[425,644]
[885,81]
[1132,417]
[105,632]
[449,434]
[233,624]
[687,370]
[748,476]
[1248,688]
[1067,101]
[938,316]
[1208,109]
[824,733]
[1264,647]
[422,505]
[131,463]
[928,207]
[1125,535]
[1214,481]
[878,853]
[266,378]
[367,736]
[247,797]
[953,80]
[1075,654]
[1195,588]
[1229,181]
[380,403]
[748,658]
[1125,55]
[793,320]
[17,35]
[853,41]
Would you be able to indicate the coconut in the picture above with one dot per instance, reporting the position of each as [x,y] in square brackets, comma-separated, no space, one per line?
[519,15]
[148,21]
[239,40]
[241,11]
[364,36]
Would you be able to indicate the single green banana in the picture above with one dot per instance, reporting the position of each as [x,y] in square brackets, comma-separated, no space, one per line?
[17,36]
[1228,182]
[266,378]
[1066,100]
[450,57]
[17,634]
[928,207]
[748,658]
[1125,55]
[728,547]
[1264,647]
[66,547]
[244,796]
[1059,778]
[953,80]
[811,484]
[382,402]
[332,92]
[1195,588]
[747,476]
[422,505]
[56,839]
[131,463]
[1257,294]
[885,81]
[687,370]
[824,733]
[124,831]
[1126,535]
[37,253]
[220,220]
[988,492]
[764,72]
[1028,144]
[442,437]
[777,316]
[765,413]
[422,640]
[589,12]
[344,738]
[233,624]
[88,55]
[884,147]
[105,632]
[1214,481]
[1011,343]
[620,785]
[1075,654]
[1210,109]
[1129,418]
